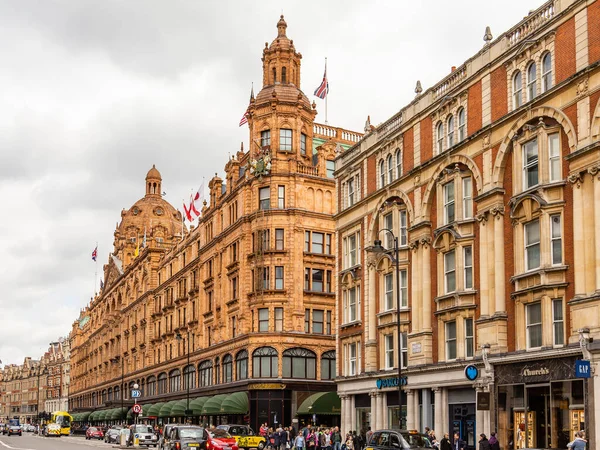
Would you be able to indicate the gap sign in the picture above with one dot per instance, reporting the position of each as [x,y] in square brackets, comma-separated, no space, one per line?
[583,369]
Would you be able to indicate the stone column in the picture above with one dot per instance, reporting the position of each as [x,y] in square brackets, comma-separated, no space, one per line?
[345,409]
[498,213]
[427,419]
[383,411]
[425,245]
[373,395]
[353,412]
[578,239]
[416,285]
[371,305]
[479,418]
[410,409]
[439,412]
[595,173]
[417,414]
[484,240]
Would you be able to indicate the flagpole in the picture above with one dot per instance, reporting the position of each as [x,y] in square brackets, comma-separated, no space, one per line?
[96,271]
[326,85]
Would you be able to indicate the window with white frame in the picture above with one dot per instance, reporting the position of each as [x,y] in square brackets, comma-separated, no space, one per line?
[388,223]
[558,322]
[388,284]
[351,304]
[389,351]
[462,124]
[517,89]
[533,311]
[468,267]
[351,250]
[264,195]
[531,81]
[556,239]
[352,356]
[403,238]
[403,288]
[351,193]
[530,164]
[390,169]
[469,339]
[279,277]
[265,138]
[263,319]
[398,163]
[546,72]
[450,329]
[532,245]
[278,319]
[450,271]
[285,140]
[281,197]
[404,349]
[467,195]
[450,130]
[381,173]
[439,138]
[302,144]
[449,205]
[554,157]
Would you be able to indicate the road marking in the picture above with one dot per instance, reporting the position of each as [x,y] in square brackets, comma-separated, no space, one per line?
[14,448]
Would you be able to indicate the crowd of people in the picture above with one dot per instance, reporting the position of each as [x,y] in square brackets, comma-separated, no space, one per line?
[312,438]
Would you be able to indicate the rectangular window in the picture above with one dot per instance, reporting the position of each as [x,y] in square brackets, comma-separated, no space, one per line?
[318,317]
[234,288]
[234,255]
[404,288]
[352,251]
[233,326]
[351,304]
[467,197]
[279,239]
[278,319]
[450,271]
[404,349]
[554,157]
[307,241]
[532,245]
[469,339]
[281,197]
[317,242]
[530,164]
[265,277]
[328,324]
[263,240]
[449,206]
[534,325]
[307,279]
[558,322]
[450,340]
[352,359]
[285,140]
[389,351]
[556,238]
[389,291]
[403,228]
[264,195]
[279,277]
[265,138]
[263,319]
[302,144]
[330,165]
[307,320]
[317,280]
[388,222]
[468,266]
[351,198]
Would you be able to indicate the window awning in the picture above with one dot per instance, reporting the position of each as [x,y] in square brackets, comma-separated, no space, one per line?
[84,415]
[212,407]
[117,414]
[100,415]
[197,404]
[93,415]
[236,403]
[165,410]
[178,409]
[154,409]
[325,403]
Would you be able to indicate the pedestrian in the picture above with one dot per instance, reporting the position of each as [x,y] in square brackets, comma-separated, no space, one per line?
[311,439]
[445,443]
[263,430]
[494,443]
[484,444]
[369,434]
[579,443]
[336,439]
[458,443]
[299,442]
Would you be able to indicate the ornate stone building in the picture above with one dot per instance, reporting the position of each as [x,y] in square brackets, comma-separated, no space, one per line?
[489,182]
[238,314]
[57,363]
[22,390]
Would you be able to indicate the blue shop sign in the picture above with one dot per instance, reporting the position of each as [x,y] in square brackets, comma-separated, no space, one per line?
[583,369]
[471,372]
[383,383]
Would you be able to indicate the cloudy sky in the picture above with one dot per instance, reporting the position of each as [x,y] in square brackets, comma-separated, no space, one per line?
[95,92]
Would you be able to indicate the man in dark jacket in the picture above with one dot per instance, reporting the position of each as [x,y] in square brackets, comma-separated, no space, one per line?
[445,443]
[458,443]
[484,444]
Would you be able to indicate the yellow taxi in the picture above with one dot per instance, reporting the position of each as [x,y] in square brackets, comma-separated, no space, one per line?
[245,436]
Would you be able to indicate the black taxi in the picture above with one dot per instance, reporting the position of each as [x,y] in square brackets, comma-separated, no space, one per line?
[398,439]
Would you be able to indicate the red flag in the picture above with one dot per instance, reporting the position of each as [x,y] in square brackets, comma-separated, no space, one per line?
[95,253]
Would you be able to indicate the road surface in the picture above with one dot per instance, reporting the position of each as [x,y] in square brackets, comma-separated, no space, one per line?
[30,441]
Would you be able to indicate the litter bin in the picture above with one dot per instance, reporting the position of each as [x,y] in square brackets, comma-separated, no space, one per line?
[123,435]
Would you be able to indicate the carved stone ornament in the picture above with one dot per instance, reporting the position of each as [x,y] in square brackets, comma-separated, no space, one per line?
[497,211]
[575,178]
[482,217]
[593,171]
[582,88]
[261,166]
[486,140]
[425,241]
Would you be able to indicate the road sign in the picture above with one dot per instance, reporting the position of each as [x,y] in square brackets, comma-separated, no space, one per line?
[583,369]
[137,408]
[136,393]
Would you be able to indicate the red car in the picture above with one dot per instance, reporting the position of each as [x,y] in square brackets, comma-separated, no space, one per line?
[94,433]
[220,440]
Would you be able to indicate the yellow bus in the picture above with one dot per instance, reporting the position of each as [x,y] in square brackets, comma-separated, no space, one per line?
[63,419]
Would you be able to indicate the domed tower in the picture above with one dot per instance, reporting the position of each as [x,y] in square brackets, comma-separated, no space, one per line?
[281,117]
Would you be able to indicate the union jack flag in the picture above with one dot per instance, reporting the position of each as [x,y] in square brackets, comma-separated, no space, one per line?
[95,253]
[323,88]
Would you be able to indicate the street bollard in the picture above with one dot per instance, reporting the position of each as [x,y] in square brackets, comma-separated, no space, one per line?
[136,440]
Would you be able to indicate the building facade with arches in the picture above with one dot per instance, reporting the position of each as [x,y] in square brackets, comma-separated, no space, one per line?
[489,182]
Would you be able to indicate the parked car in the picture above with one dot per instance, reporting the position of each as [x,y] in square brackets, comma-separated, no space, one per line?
[145,435]
[14,428]
[186,437]
[94,433]
[398,439]
[220,440]
[165,437]
[112,436]
[245,437]
[52,429]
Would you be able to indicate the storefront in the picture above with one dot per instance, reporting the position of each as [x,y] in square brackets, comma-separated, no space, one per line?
[462,415]
[539,404]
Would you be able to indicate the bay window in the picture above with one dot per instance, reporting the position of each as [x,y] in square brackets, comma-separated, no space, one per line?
[530,164]
[450,271]
[389,351]
[532,245]
[450,330]
[533,312]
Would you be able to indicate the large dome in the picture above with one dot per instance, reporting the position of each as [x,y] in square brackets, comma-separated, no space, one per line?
[287,93]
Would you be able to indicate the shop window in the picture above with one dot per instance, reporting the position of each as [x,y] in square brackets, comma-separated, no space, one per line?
[469,339]
[299,363]
[532,245]
[450,329]
[328,365]
[285,140]
[227,369]
[558,325]
[205,371]
[174,380]
[450,271]
[533,314]
[546,72]
[265,363]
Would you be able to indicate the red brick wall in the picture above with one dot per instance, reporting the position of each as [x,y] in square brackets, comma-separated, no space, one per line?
[569,257]
[474,120]
[408,152]
[434,280]
[593,18]
[594,98]
[571,113]
[426,140]
[509,257]
[371,175]
[565,50]
[499,93]
[479,163]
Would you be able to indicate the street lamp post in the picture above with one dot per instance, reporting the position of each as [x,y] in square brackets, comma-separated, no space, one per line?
[186,376]
[379,249]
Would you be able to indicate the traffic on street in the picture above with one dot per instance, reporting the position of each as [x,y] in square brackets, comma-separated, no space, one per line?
[30,441]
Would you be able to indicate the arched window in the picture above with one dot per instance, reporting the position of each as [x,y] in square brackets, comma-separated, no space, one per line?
[390,168]
[328,365]
[283,75]
[189,377]
[381,173]
[462,124]
[174,380]
[299,363]
[206,373]
[440,137]
[546,72]
[117,392]
[265,363]
[241,365]
[450,130]
[217,370]
[227,369]
[531,81]
[274,75]
[398,163]
[161,384]
[110,394]
[517,90]
[150,386]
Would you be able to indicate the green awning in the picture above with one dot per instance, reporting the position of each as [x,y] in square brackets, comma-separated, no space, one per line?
[179,408]
[197,404]
[236,403]
[75,417]
[100,414]
[326,403]
[92,416]
[212,407]
[84,415]
[165,410]
[154,409]
[117,414]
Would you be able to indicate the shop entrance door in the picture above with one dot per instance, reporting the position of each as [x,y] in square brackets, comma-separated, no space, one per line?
[539,431]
